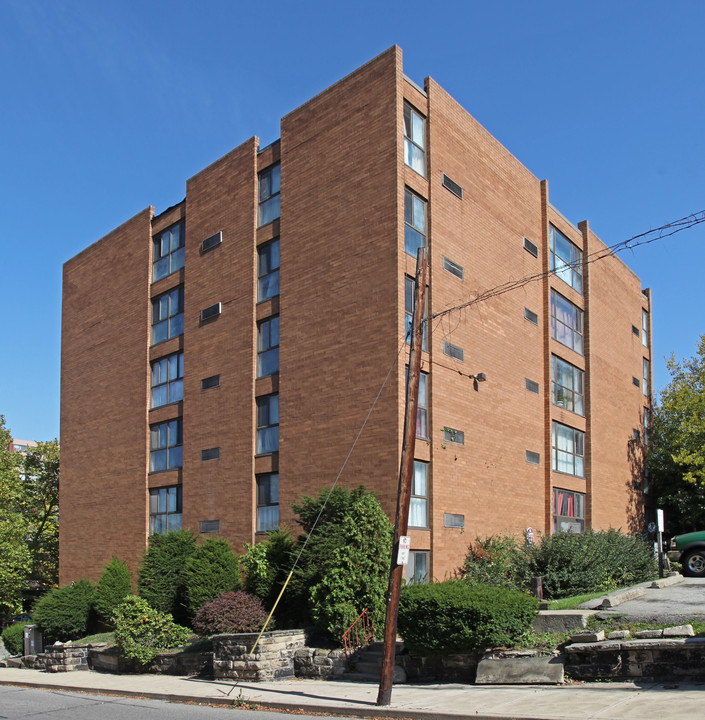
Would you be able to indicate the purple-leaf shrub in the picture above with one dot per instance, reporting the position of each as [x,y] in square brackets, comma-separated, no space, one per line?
[233,612]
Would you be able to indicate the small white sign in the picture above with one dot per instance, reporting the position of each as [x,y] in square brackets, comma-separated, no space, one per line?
[530,535]
[659,519]
[404,547]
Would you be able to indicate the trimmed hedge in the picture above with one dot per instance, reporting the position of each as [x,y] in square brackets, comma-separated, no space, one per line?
[457,617]
[13,637]
[212,570]
[114,585]
[65,613]
[234,612]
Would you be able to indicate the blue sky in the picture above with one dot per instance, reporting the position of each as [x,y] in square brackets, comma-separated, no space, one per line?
[107,108]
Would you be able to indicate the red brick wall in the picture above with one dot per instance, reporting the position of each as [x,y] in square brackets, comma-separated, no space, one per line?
[339,298]
[104,389]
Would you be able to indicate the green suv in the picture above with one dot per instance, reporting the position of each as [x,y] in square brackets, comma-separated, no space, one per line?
[689,551]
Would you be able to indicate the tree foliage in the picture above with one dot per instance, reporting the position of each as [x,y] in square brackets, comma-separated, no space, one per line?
[676,452]
[41,509]
[344,567]
[65,613]
[114,585]
[210,571]
[15,557]
[266,565]
[160,580]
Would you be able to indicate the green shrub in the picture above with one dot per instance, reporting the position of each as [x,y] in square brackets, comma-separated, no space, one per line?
[496,560]
[212,570]
[13,637]
[159,581]
[458,617]
[114,585]
[266,565]
[65,613]
[141,631]
[572,564]
[234,612]
[344,568]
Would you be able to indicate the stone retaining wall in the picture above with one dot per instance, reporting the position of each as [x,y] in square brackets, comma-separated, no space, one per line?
[319,663]
[272,660]
[681,658]
[60,658]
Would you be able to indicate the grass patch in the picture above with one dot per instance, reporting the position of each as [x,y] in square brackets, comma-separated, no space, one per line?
[106,637]
[570,603]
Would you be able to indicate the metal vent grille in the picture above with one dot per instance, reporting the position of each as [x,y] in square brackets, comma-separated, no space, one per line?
[211,242]
[454,436]
[210,526]
[530,247]
[452,186]
[210,312]
[531,385]
[453,268]
[453,351]
[636,382]
[635,330]
[531,316]
[533,457]
[450,520]
[210,382]
[210,454]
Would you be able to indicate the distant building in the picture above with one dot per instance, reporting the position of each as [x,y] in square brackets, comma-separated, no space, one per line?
[219,358]
[21,445]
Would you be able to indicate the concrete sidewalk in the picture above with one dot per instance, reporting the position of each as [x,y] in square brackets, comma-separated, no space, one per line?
[587,701]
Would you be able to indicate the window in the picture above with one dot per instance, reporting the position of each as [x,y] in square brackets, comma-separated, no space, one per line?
[168,315]
[417,567]
[414,140]
[422,407]
[566,322]
[210,454]
[267,424]
[168,252]
[414,223]
[567,386]
[210,382]
[568,450]
[645,383]
[568,511]
[454,436]
[566,260]
[267,502]
[268,347]
[457,353]
[647,425]
[165,446]
[268,270]
[168,380]
[409,284]
[269,187]
[418,505]
[165,509]
[645,328]
[531,316]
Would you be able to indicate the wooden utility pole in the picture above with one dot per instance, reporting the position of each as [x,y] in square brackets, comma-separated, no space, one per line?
[401,523]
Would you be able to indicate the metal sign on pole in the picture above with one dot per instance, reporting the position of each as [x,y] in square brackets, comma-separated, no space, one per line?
[384,696]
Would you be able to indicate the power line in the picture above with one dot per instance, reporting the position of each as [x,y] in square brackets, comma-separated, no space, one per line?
[645,238]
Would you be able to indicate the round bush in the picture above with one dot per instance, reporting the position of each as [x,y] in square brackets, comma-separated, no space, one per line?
[234,612]
[141,631]
[457,617]
[114,586]
[212,570]
[13,637]
[64,613]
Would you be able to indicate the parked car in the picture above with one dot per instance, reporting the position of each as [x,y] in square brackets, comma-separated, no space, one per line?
[689,551]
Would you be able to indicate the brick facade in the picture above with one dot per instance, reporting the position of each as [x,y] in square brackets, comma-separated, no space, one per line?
[341,309]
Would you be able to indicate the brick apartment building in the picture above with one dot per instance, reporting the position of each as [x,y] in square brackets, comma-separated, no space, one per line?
[219,358]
